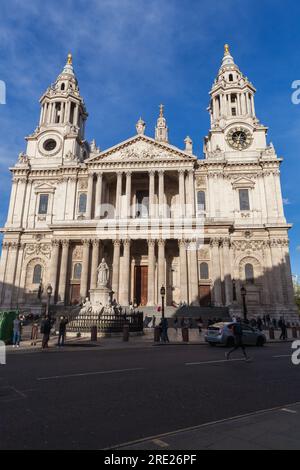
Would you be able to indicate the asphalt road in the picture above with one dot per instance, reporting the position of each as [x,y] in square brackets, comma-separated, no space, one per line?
[95,399]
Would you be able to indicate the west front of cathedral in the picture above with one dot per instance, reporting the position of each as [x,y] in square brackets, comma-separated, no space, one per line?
[155,214]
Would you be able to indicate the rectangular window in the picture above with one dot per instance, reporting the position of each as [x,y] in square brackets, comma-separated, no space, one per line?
[233,111]
[244,200]
[82,203]
[201,201]
[43,206]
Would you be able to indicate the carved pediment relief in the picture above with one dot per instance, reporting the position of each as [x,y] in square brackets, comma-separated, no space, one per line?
[142,148]
[44,188]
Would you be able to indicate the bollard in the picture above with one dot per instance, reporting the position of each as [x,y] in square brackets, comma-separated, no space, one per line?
[294,332]
[185,335]
[126,333]
[157,334]
[93,333]
[272,333]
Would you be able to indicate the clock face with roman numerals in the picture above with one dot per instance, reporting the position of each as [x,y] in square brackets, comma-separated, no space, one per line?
[239,138]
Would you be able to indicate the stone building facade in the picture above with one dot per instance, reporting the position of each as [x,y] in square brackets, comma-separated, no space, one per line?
[203,228]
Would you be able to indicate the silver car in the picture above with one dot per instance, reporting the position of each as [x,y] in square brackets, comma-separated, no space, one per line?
[222,333]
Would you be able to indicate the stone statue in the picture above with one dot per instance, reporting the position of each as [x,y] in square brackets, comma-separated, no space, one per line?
[103,274]
[87,307]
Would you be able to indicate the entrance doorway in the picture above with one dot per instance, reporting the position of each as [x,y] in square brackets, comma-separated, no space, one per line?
[205,296]
[141,285]
[75,298]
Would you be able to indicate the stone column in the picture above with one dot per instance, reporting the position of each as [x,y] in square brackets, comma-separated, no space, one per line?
[95,263]
[3,265]
[98,195]
[227,271]
[161,264]
[11,272]
[161,194]
[118,194]
[182,192]
[269,275]
[54,268]
[128,194]
[151,272]
[191,193]
[89,204]
[287,272]
[10,217]
[217,290]
[183,271]
[63,271]
[276,268]
[85,269]
[124,285]
[116,268]
[152,193]
[194,282]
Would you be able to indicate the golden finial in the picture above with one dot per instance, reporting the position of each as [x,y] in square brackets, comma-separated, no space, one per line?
[70,59]
[226,49]
[161,110]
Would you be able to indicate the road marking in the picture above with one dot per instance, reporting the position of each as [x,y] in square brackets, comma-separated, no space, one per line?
[86,374]
[160,443]
[214,362]
[201,426]
[282,355]
[287,410]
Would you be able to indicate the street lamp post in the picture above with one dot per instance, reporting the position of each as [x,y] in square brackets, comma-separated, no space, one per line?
[243,294]
[163,294]
[49,294]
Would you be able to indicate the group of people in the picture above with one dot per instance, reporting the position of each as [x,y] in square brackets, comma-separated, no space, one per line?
[44,327]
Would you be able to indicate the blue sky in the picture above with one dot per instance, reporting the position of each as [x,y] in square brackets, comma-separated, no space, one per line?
[130,56]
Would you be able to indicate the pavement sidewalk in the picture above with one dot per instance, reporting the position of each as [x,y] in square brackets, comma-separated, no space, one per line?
[275,429]
[147,340]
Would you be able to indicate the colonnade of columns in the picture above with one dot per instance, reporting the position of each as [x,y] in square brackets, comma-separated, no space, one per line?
[186,193]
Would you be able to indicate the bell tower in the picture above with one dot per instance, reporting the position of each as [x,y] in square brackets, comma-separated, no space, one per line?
[235,128]
[59,138]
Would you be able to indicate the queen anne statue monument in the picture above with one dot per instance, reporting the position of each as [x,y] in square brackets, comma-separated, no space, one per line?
[100,296]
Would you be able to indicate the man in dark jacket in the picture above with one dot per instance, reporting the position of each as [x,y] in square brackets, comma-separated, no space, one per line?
[238,339]
[45,330]
[62,331]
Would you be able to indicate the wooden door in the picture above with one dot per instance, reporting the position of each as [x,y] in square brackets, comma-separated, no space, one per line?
[141,285]
[75,294]
[204,296]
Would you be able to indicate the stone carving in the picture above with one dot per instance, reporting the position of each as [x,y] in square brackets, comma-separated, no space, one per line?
[38,249]
[103,274]
[252,245]
[23,158]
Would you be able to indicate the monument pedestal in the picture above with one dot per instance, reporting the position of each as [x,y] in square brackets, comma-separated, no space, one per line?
[100,295]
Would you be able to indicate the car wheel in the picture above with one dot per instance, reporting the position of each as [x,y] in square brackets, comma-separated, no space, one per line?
[230,343]
[260,342]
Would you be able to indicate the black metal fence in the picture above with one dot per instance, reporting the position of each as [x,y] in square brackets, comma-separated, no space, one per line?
[105,323]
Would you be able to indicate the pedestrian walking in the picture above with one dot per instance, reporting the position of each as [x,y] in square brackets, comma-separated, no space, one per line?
[238,340]
[259,324]
[164,330]
[200,325]
[17,332]
[45,331]
[62,331]
[153,321]
[34,332]
[283,328]
[175,324]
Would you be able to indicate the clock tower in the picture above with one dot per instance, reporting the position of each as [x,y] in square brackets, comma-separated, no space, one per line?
[59,138]
[235,130]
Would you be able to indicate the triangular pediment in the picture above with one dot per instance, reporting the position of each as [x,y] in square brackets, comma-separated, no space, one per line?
[142,148]
[44,187]
[243,182]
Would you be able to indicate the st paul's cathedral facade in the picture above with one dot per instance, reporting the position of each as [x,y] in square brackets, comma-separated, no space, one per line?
[159,216]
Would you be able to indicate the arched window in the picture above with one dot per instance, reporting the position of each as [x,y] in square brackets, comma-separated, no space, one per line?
[37,274]
[204,271]
[63,87]
[249,273]
[231,77]
[201,201]
[77,271]
[82,203]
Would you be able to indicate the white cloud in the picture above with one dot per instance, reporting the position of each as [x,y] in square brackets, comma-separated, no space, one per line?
[286,201]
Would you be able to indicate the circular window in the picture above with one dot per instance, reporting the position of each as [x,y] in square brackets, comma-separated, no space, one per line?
[50,145]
